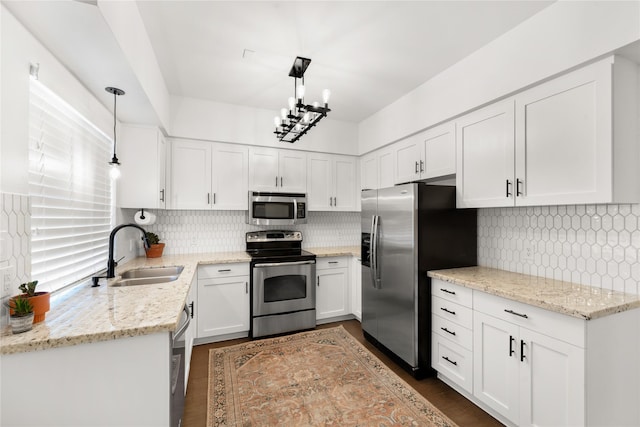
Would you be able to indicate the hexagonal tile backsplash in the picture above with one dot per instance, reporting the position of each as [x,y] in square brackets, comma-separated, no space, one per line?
[596,245]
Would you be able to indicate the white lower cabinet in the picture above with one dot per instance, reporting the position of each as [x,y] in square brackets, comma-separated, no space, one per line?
[223,299]
[332,287]
[356,287]
[533,367]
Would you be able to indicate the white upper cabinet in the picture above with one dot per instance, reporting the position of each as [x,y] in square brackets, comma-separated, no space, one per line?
[332,182]
[276,170]
[428,154]
[485,147]
[571,140]
[142,154]
[207,175]
[377,170]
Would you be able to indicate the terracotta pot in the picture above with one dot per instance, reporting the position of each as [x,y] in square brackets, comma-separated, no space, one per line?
[21,324]
[40,301]
[155,251]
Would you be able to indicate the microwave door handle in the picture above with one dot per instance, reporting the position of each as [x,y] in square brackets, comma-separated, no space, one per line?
[295,209]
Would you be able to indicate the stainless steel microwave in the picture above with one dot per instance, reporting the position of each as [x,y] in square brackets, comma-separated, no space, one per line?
[277,208]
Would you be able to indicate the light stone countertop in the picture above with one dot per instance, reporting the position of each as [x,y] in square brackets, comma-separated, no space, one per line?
[584,302]
[337,251]
[84,314]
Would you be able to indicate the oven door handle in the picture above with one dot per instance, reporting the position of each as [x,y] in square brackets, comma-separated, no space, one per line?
[282,264]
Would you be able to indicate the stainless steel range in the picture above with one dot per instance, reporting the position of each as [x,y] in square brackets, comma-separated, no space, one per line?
[283,283]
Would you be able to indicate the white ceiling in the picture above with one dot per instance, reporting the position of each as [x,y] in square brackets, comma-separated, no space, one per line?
[369,53]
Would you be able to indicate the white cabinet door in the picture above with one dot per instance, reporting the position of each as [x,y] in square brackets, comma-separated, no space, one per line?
[293,174]
[142,156]
[230,176]
[263,169]
[552,381]
[439,151]
[332,287]
[320,182]
[223,305]
[344,183]
[564,139]
[485,157]
[356,288]
[190,175]
[408,158]
[496,364]
[386,170]
[368,171]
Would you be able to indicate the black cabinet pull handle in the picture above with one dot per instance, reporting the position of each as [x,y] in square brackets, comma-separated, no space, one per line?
[280,181]
[511,350]
[447,291]
[246,287]
[522,356]
[208,198]
[421,166]
[416,167]
[448,311]
[162,195]
[516,313]
[333,262]
[448,331]
[508,186]
[224,271]
[191,308]
[318,281]
[276,181]
[450,361]
[214,198]
[518,182]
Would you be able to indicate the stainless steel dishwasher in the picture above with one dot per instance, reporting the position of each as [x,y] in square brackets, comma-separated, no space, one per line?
[177,368]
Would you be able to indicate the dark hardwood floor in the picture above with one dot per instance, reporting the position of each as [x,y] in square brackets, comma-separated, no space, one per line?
[450,402]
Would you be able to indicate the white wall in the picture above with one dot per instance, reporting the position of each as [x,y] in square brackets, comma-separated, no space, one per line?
[558,38]
[19,48]
[214,121]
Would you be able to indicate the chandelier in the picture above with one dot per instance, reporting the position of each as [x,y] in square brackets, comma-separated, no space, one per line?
[299,118]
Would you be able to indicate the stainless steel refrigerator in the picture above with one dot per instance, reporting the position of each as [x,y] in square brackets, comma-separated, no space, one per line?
[408,230]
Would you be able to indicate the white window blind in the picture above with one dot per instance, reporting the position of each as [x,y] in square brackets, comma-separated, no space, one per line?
[70,189]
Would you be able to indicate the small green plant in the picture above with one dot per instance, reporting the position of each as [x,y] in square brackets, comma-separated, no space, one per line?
[29,288]
[152,238]
[20,306]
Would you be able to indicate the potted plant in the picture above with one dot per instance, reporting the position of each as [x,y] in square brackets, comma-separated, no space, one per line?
[21,315]
[40,301]
[156,248]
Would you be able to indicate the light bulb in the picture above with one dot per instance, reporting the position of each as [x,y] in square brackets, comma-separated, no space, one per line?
[298,127]
[276,121]
[316,104]
[114,172]
[306,117]
[300,91]
[325,96]
[283,113]
[292,103]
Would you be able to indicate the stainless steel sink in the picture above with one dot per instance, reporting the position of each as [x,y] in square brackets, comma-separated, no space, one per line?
[149,276]
[153,272]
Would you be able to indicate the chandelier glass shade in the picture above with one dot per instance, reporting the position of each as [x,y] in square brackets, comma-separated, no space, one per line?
[298,118]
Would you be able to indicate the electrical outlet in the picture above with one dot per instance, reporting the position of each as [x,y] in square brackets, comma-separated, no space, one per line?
[527,252]
[7,274]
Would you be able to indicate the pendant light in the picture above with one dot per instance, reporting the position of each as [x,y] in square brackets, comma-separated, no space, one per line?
[115,164]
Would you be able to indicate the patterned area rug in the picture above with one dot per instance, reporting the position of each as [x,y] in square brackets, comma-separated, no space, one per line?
[317,378]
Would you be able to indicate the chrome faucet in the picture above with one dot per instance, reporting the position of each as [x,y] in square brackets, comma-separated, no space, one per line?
[111,263]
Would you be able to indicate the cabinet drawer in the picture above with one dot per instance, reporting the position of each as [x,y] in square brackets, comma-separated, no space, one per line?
[449,291]
[452,361]
[340,262]
[556,325]
[451,311]
[223,270]
[452,331]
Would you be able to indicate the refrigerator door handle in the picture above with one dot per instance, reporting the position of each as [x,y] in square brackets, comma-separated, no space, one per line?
[375,275]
